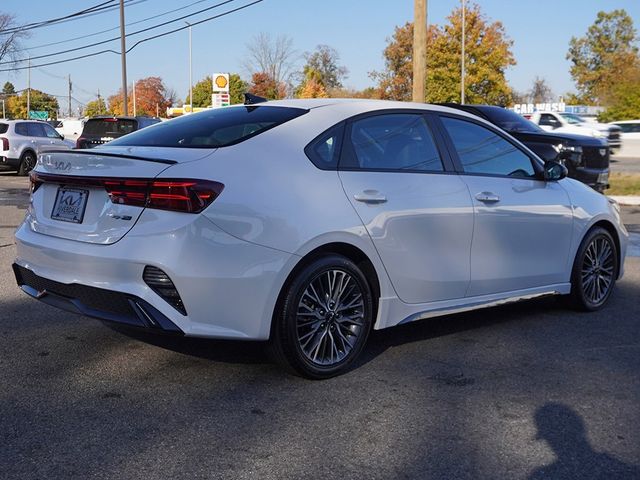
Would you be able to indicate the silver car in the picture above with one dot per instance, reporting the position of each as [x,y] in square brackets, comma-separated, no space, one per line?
[21,141]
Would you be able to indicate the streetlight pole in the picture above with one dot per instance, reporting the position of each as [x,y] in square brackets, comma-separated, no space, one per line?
[123,56]
[190,70]
[462,63]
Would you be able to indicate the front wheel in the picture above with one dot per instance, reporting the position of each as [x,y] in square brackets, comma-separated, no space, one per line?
[324,319]
[595,270]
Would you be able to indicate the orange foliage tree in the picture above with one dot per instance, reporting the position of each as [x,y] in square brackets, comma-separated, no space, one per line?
[264,85]
[151,96]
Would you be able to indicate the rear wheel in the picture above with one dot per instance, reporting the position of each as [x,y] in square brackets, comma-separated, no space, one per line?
[324,319]
[27,163]
[595,270]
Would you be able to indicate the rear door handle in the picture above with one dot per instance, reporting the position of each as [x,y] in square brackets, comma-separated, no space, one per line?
[487,197]
[370,196]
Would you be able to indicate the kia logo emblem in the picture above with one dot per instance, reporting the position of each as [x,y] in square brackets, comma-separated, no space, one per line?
[62,165]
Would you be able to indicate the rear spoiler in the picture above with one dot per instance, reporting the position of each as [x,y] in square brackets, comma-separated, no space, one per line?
[109,154]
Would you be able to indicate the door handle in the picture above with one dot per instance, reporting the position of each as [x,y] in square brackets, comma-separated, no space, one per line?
[487,197]
[370,196]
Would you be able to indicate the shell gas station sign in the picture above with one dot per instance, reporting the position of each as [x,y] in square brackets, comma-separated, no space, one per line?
[220,96]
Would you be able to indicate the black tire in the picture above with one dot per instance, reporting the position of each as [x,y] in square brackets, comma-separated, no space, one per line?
[27,163]
[318,338]
[595,271]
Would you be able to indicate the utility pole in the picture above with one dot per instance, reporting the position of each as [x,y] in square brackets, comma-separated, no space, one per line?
[190,71]
[123,56]
[69,96]
[462,65]
[134,98]
[419,49]
[4,115]
[29,88]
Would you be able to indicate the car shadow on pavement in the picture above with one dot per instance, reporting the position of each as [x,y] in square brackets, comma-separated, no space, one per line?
[564,431]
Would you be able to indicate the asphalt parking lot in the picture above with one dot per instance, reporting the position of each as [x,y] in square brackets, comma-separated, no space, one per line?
[531,390]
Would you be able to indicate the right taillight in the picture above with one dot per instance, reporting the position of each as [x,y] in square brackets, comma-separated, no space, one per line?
[80,142]
[178,195]
[5,143]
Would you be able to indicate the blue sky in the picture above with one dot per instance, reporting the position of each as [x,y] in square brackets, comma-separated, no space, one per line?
[357,29]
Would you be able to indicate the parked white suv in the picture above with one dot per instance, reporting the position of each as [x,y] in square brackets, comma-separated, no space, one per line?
[564,122]
[21,141]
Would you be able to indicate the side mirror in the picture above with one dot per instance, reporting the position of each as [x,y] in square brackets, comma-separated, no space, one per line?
[553,171]
[61,136]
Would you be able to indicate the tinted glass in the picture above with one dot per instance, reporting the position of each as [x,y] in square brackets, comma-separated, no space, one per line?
[21,129]
[325,150]
[4,127]
[482,151]
[393,142]
[218,127]
[509,120]
[50,132]
[573,118]
[109,127]
[35,129]
[548,120]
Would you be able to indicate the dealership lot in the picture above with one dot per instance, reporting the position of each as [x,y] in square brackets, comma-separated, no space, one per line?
[477,395]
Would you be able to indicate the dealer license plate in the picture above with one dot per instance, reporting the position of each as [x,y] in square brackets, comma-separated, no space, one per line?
[70,205]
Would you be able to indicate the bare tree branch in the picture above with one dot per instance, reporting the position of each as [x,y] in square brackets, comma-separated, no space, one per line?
[10,43]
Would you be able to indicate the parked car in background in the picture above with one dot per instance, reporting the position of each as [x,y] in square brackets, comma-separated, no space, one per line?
[71,128]
[100,130]
[21,141]
[564,122]
[630,133]
[309,223]
[586,157]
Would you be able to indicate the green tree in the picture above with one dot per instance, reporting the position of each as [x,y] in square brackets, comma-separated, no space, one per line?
[96,107]
[624,99]
[603,56]
[40,101]
[204,88]
[8,89]
[487,56]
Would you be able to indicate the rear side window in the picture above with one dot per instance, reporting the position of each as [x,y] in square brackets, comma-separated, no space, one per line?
[325,150]
[35,130]
[399,142]
[219,127]
[21,129]
[4,127]
[109,127]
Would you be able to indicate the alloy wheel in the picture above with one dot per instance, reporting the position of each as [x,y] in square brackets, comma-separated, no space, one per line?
[598,269]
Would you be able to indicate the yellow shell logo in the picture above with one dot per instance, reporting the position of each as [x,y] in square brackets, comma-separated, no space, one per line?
[221,81]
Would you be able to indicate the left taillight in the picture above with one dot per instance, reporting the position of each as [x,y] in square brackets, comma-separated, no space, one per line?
[5,143]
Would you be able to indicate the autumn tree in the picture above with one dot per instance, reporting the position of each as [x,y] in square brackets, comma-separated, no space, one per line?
[96,107]
[324,63]
[204,88]
[487,56]
[39,101]
[606,54]
[273,56]
[624,99]
[312,86]
[151,96]
[11,36]
[264,85]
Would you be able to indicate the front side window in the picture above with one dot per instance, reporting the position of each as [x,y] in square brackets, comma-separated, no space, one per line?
[482,151]
[50,132]
[397,142]
[548,120]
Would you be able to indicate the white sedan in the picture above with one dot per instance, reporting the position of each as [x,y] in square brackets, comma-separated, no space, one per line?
[308,223]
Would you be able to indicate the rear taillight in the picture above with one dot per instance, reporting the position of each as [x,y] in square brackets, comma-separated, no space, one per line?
[80,142]
[5,143]
[178,195]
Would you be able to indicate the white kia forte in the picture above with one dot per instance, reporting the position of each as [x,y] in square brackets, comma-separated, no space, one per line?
[308,223]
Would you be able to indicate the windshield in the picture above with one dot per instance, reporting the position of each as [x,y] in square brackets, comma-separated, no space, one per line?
[573,118]
[217,127]
[509,120]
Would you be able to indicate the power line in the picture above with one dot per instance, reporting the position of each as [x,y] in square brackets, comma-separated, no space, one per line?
[137,43]
[112,29]
[95,44]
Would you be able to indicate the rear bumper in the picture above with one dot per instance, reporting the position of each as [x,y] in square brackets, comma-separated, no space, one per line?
[229,286]
[9,162]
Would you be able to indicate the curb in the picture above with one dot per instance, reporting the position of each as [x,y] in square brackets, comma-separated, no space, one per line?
[627,200]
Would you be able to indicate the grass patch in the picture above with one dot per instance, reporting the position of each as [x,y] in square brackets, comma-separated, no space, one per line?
[624,184]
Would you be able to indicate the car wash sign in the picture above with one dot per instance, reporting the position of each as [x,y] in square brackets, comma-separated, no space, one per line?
[524,108]
[220,96]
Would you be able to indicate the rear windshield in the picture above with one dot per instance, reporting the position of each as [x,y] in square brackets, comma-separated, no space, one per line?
[109,126]
[4,127]
[219,127]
